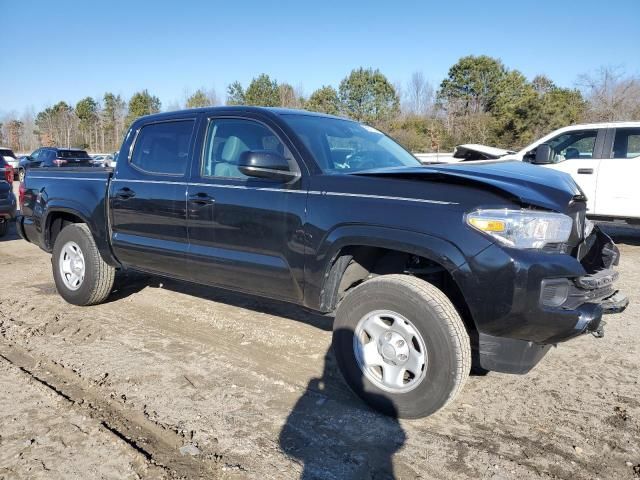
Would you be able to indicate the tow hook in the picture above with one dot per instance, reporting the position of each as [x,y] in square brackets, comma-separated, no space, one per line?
[599,332]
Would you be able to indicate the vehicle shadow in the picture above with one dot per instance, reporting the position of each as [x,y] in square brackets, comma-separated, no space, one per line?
[128,283]
[622,233]
[335,435]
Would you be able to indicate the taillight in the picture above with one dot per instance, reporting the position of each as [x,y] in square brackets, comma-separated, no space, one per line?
[58,162]
[21,191]
[8,173]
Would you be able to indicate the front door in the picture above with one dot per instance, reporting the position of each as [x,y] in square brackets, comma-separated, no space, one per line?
[578,153]
[618,194]
[147,199]
[245,233]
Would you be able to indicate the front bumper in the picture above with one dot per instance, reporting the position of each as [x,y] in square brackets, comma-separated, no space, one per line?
[518,316]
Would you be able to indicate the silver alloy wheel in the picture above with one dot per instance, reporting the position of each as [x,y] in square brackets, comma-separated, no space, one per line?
[72,266]
[390,351]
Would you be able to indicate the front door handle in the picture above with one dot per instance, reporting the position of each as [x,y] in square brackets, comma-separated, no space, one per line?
[585,171]
[125,193]
[201,199]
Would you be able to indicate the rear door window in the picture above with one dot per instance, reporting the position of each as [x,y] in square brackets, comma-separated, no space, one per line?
[163,148]
[626,143]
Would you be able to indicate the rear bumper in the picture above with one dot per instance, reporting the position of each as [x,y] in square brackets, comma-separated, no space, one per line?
[530,300]
[8,208]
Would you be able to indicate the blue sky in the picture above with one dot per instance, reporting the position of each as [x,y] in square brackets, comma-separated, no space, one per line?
[65,50]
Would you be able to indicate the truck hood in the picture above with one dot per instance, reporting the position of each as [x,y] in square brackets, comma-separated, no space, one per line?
[528,184]
[475,151]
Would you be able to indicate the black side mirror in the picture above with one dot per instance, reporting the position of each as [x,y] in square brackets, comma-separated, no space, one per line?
[265,164]
[544,155]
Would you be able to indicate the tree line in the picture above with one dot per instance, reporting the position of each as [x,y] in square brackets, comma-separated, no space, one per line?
[479,101]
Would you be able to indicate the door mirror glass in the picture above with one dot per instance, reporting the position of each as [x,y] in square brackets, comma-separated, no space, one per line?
[265,164]
[544,155]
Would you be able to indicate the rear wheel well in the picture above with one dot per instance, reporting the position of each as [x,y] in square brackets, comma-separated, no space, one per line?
[357,264]
[56,222]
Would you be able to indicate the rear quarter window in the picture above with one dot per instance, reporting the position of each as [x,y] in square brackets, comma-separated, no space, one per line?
[163,148]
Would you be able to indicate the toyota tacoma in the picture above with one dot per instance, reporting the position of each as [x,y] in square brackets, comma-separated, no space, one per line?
[425,268]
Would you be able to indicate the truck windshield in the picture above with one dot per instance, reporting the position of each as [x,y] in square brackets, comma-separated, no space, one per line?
[342,146]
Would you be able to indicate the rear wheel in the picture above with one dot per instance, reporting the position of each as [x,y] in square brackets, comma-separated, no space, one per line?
[4,227]
[21,175]
[82,277]
[401,346]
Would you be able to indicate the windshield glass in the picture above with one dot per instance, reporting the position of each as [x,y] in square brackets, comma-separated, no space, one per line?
[5,152]
[343,146]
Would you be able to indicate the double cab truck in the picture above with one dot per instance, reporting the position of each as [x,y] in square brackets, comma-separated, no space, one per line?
[424,268]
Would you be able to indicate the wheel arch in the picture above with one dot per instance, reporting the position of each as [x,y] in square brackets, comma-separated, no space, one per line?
[358,253]
[59,215]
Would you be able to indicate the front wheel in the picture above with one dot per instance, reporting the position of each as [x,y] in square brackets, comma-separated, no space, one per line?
[21,175]
[4,228]
[82,277]
[401,346]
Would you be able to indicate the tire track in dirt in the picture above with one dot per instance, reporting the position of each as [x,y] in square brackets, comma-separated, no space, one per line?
[160,446]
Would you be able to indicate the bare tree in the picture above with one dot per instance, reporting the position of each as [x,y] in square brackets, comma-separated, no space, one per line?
[611,94]
[418,95]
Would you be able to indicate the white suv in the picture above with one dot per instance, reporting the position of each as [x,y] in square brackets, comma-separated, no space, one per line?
[603,158]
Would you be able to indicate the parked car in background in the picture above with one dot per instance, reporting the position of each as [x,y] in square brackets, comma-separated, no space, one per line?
[421,265]
[9,157]
[603,159]
[7,206]
[54,157]
[111,160]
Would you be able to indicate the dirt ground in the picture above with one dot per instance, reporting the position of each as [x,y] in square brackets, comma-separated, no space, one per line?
[170,380]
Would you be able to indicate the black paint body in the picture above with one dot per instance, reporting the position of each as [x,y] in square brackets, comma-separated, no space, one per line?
[280,240]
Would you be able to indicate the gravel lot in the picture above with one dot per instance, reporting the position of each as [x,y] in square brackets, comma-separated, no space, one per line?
[170,380]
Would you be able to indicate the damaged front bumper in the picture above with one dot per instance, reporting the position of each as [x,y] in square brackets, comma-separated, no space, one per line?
[537,300]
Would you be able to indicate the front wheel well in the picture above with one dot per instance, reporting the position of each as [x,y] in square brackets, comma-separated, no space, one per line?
[356,264]
[56,222]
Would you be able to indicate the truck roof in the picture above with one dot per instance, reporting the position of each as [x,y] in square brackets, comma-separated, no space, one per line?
[238,108]
[581,126]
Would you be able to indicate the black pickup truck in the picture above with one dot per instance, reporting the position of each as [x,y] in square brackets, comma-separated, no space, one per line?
[425,267]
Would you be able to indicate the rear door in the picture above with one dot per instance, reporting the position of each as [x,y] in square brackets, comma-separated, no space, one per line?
[245,233]
[579,153]
[618,193]
[147,198]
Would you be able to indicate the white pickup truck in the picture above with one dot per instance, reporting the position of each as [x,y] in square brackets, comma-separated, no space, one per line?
[603,158]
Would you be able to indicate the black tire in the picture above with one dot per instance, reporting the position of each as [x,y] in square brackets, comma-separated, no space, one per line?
[448,349]
[98,276]
[4,228]
[21,175]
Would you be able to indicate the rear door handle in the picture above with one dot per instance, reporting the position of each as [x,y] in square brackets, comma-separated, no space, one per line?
[201,199]
[125,193]
[585,171]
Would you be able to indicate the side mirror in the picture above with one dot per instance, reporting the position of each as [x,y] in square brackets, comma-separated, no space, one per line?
[544,155]
[265,164]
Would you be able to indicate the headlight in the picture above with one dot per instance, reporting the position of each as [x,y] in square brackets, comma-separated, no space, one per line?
[522,228]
